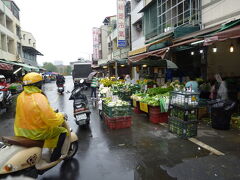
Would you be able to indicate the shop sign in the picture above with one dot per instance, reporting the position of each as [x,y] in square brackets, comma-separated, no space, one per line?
[96,32]
[121,24]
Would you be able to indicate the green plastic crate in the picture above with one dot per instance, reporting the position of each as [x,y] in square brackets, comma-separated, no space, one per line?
[184,129]
[117,111]
[183,114]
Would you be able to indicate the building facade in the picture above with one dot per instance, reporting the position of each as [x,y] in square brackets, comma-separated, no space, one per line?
[137,35]
[29,52]
[10,31]
[186,31]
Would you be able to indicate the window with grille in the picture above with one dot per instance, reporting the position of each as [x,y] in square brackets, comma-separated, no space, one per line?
[165,15]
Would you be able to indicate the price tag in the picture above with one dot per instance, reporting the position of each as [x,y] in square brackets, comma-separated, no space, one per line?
[144,107]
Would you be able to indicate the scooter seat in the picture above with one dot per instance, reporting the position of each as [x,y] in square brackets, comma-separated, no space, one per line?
[22,141]
[79,101]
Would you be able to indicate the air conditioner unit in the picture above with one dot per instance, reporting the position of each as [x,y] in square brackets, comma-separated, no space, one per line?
[138,27]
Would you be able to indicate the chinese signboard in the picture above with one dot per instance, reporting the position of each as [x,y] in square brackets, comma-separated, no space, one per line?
[96,32]
[121,23]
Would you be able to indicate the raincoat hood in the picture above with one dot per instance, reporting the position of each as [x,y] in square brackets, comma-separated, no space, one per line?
[32,89]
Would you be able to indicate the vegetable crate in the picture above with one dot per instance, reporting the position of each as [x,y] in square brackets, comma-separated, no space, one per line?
[117,110]
[235,122]
[184,99]
[159,118]
[183,114]
[118,122]
[156,116]
[183,129]
[125,95]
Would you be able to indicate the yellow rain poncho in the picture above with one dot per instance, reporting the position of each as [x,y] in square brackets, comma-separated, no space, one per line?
[35,119]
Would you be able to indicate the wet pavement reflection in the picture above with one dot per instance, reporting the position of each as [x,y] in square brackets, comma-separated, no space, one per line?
[143,152]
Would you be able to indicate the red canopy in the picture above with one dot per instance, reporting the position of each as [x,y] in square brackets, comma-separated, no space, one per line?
[231,33]
[5,66]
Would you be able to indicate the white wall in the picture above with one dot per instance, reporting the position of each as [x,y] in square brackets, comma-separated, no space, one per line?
[25,41]
[138,39]
[220,12]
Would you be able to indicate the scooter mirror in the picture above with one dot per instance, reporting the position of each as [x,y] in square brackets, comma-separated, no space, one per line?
[81,81]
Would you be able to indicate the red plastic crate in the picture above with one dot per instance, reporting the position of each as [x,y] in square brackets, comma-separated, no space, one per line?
[118,122]
[160,118]
[137,110]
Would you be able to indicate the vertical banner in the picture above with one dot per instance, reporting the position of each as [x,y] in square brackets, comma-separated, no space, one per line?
[96,32]
[121,41]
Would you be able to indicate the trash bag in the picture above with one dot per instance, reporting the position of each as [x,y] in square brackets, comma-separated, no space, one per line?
[221,112]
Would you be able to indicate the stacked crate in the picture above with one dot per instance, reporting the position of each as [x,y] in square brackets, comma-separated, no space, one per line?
[117,117]
[183,113]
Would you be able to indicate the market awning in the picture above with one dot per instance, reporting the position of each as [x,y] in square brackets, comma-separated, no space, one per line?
[5,66]
[231,33]
[31,50]
[147,46]
[158,53]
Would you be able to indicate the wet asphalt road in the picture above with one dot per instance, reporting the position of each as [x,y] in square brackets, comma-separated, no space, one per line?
[143,152]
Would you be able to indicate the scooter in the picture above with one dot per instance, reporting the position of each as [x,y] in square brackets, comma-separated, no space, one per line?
[60,88]
[80,106]
[22,156]
[5,98]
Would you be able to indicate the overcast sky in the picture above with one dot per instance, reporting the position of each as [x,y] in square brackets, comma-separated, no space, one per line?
[63,28]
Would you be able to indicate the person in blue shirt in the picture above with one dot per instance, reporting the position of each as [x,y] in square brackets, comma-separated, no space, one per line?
[192,84]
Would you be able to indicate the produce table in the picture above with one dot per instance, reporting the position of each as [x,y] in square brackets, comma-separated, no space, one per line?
[118,116]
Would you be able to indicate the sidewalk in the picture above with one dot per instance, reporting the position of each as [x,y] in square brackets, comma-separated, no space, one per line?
[207,166]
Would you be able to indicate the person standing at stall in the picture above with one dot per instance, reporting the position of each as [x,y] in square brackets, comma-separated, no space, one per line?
[192,84]
[94,85]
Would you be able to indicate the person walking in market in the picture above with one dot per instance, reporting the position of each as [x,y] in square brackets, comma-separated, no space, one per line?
[35,118]
[94,85]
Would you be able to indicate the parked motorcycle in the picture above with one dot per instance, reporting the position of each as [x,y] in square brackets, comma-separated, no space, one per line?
[22,156]
[5,98]
[80,105]
[60,88]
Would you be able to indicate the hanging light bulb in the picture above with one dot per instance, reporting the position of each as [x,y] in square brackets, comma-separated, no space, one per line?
[122,65]
[192,53]
[231,49]
[144,65]
[201,51]
[214,49]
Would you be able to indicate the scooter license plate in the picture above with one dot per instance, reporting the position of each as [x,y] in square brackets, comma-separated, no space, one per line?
[81,116]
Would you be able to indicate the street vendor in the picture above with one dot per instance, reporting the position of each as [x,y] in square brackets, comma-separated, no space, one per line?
[192,84]
[127,79]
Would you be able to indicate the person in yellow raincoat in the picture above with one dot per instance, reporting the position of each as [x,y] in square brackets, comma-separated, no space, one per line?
[35,119]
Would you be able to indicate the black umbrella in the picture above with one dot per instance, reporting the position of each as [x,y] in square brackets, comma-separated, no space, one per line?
[90,76]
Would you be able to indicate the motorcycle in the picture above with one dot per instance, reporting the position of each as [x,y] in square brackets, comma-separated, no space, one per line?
[23,156]
[60,88]
[5,98]
[80,105]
